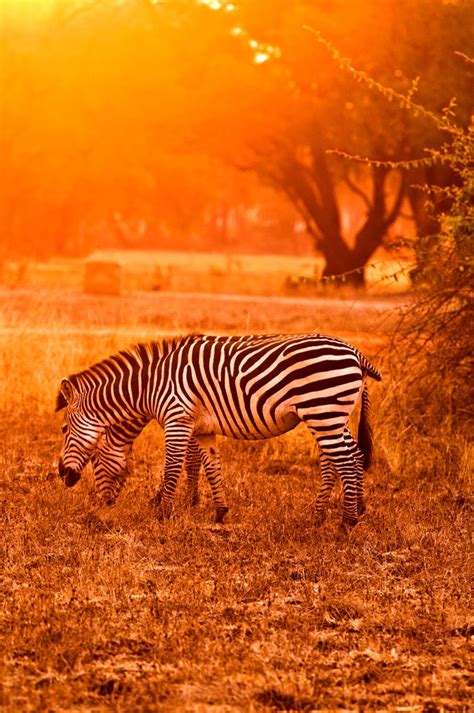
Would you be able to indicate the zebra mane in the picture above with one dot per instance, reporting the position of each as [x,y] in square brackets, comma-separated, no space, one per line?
[156,349]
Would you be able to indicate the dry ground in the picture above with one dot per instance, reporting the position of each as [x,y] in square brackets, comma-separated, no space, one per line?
[113,611]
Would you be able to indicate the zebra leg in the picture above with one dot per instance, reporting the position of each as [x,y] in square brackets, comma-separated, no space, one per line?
[359,464]
[192,466]
[104,483]
[113,458]
[335,450]
[210,458]
[328,478]
[177,436]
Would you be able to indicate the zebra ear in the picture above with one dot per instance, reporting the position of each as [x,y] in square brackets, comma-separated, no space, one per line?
[67,394]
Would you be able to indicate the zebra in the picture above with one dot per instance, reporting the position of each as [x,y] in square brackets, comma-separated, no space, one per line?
[112,461]
[247,387]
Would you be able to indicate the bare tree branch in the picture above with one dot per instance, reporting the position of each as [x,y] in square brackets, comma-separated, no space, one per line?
[358,191]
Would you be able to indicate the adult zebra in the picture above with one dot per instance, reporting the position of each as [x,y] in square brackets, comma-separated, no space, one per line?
[250,387]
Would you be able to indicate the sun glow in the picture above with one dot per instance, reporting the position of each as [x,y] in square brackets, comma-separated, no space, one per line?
[261,57]
[217,5]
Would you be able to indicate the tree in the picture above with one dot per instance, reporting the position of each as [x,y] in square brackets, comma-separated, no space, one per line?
[433,337]
[135,107]
[298,104]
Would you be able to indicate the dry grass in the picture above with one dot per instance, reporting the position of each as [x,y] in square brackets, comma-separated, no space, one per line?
[110,610]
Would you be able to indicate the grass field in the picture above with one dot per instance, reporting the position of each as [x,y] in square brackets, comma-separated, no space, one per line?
[110,610]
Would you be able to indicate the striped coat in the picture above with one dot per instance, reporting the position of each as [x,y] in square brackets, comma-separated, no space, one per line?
[112,462]
[250,387]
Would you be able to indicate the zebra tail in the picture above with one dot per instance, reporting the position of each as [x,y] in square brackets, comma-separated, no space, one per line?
[364,433]
[369,368]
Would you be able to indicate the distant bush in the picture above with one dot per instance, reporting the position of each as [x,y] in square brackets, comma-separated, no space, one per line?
[433,340]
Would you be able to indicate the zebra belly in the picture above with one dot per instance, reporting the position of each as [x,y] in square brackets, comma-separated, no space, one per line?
[250,428]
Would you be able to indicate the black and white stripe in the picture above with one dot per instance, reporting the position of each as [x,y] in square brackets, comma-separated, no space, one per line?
[112,461]
[250,387]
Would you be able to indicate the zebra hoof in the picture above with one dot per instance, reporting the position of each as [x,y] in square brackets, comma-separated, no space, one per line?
[192,500]
[348,524]
[155,502]
[320,518]
[162,511]
[221,512]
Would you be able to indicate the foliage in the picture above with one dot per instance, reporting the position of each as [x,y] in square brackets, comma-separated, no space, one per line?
[96,115]
[143,110]
[434,336]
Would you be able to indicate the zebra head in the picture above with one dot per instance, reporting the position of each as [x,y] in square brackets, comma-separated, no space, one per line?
[112,464]
[112,461]
[81,432]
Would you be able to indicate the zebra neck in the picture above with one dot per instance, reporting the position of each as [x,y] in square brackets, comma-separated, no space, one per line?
[119,395]
[132,385]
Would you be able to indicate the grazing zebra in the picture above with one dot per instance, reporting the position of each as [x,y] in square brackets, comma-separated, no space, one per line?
[112,461]
[250,387]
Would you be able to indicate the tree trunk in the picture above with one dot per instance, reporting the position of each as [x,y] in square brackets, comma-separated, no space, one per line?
[344,270]
[311,185]
[350,263]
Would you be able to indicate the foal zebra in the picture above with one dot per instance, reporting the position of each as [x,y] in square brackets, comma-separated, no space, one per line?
[250,387]
[112,461]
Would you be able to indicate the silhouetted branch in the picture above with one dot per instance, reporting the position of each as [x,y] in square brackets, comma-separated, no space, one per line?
[358,191]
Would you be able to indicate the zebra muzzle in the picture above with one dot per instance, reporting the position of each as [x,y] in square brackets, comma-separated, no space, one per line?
[69,475]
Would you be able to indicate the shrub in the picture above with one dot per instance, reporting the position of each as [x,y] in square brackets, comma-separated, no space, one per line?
[433,341]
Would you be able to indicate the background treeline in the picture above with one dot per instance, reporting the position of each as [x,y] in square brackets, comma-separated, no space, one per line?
[166,124]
